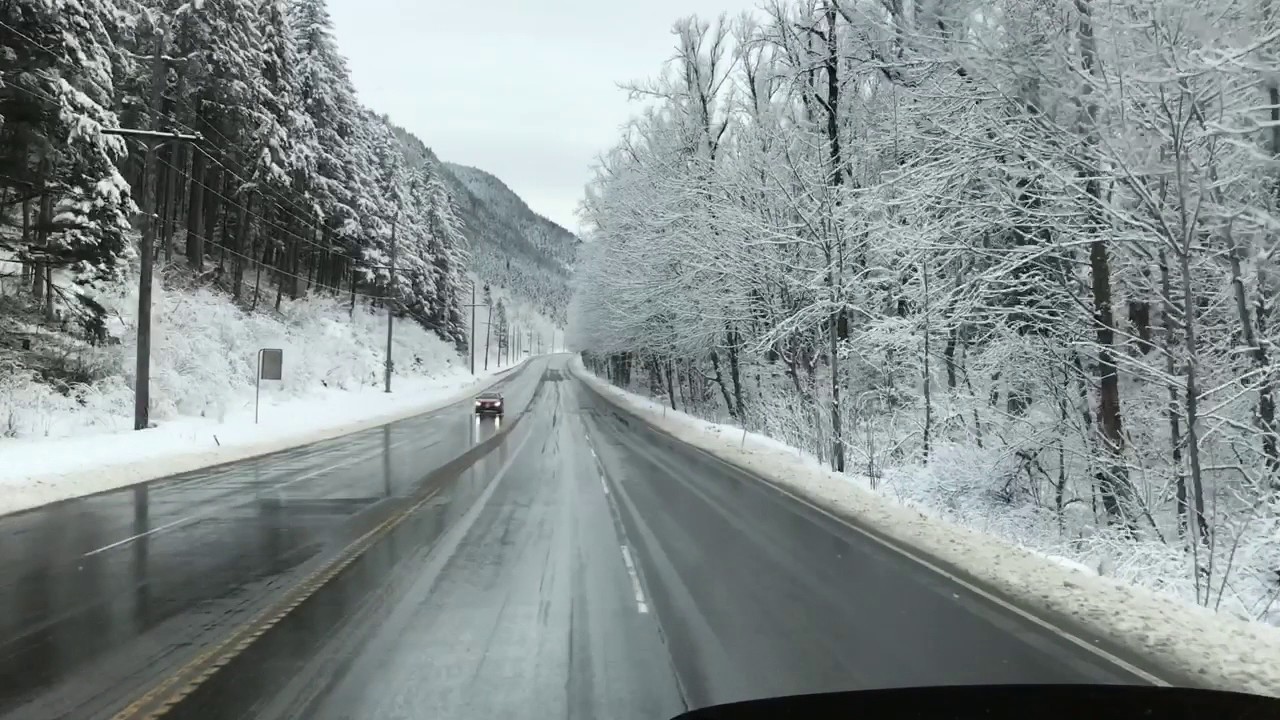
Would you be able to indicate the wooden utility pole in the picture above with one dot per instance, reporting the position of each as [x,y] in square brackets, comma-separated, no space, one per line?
[487,326]
[153,138]
[391,294]
[473,327]
[471,346]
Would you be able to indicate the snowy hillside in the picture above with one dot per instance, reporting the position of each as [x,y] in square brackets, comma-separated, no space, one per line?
[549,239]
[64,386]
[298,218]
[510,244]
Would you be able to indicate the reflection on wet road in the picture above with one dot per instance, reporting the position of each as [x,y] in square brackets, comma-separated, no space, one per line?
[103,594]
[564,561]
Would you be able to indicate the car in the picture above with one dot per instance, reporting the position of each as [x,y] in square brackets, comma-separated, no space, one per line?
[489,403]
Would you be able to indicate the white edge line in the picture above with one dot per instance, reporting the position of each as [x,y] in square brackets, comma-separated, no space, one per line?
[1026,615]
[604,485]
[130,539]
[641,605]
[1045,624]
[277,486]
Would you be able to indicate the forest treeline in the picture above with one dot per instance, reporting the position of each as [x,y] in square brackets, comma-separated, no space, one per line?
[292,187]
[1043,232]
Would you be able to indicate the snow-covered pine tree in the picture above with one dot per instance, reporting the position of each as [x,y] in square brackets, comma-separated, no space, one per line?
[57,66]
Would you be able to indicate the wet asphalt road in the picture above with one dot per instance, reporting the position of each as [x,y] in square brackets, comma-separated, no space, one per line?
[102,595]
[585,566]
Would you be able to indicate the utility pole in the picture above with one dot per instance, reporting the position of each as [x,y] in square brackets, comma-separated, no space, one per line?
[487,326]
[471,346]
[153,139]
[473,327]
[391,294]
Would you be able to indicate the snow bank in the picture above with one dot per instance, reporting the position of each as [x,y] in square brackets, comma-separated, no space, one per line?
[1189,643]
[77,440]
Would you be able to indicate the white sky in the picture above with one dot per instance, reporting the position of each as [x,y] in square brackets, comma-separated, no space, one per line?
[524,89]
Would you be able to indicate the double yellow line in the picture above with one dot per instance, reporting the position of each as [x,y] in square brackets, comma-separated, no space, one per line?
[160,699]
[178,685]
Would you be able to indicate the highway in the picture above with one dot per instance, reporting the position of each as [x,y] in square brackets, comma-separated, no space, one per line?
[567,562]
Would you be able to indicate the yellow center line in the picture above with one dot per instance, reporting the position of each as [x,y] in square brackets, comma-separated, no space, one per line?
[181,683]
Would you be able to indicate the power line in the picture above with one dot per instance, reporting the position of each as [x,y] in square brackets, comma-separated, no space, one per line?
[239,205]
[278,271]
[259,217]
[268,190]
[170,118]
[242,206]
[280,199]
[233,203]
[27,37]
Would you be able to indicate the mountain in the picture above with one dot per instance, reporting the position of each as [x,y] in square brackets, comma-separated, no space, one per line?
[511,245]
[551,240]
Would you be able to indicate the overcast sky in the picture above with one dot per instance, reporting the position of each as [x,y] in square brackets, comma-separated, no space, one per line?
[524,89]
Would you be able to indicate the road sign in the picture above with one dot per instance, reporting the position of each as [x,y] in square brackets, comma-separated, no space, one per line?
[270,367]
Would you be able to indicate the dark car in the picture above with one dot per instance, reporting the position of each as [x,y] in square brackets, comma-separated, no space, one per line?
[489,403]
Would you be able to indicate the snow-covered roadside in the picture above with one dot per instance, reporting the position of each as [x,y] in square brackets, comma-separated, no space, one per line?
[1188,641]
[40,471]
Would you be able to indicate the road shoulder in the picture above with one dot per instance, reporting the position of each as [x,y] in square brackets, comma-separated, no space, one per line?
[1176,643]
[124,464]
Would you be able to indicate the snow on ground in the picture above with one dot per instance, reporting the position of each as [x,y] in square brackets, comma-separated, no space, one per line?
[520,314]
[36,472]
[1189,643]
[61,443]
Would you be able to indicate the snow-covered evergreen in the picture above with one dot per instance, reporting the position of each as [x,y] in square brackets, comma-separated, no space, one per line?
[296,195]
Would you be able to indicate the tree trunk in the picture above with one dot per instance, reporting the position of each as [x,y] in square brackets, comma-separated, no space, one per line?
[164,191]
[1174,408]
[1192,395]
[196,213]
[215,207]
[1113,478]
[263,261]
[30,269]
[928,400]
[294,267]
[238,249]
[735,371]
[329,278]
[311,261]
[949,354]
[724,389]
[40,287]
[671,393]
[834,270]
[48,293]
[174,208]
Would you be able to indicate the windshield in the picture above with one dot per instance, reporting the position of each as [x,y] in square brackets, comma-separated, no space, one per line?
[374,359]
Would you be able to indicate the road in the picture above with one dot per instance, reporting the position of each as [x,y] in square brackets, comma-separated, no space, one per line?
[105,594]
[579,564]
